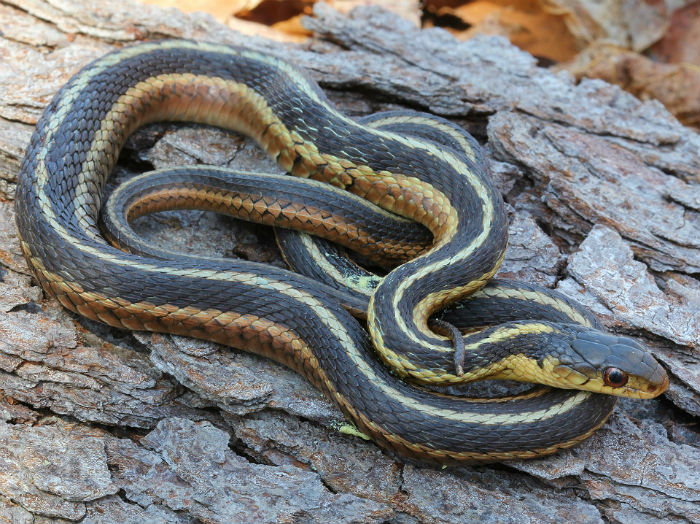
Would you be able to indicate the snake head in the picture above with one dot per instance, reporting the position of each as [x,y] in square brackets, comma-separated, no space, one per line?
[610,364]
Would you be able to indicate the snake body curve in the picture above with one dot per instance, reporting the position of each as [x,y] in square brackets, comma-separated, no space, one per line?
[277,313]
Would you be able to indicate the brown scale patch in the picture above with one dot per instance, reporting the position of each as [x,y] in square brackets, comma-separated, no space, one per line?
[202,99]
[242,331]
[246,332]
[234,106]
[419,201]
[272,212]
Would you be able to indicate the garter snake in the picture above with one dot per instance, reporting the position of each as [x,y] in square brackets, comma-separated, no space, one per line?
[439,183]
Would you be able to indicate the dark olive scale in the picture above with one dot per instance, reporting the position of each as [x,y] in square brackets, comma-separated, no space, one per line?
[398,158]
[483,310]
[479,263]
[573,345]
[477,313]
[297,258]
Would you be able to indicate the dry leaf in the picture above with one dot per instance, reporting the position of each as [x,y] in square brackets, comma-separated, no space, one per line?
[219,9]
[293,27]
[633,24]
[681,43]
[523,22]
[677,86]
[270,12]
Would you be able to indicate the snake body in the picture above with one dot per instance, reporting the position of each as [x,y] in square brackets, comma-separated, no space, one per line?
[433,174]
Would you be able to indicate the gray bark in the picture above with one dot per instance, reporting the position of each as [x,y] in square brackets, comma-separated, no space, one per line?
[107,426]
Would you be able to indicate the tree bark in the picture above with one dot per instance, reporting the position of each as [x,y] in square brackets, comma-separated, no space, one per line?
[107,426]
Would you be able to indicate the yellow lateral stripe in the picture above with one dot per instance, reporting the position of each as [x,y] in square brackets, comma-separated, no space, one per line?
[356,354]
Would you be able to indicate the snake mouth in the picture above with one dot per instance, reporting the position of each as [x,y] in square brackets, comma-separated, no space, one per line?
[614,365]
[652,384]
[653,390]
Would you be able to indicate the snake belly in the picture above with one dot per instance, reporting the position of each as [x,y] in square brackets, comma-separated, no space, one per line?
[270,311]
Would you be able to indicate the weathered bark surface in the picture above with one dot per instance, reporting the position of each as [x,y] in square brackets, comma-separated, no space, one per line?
[106,426]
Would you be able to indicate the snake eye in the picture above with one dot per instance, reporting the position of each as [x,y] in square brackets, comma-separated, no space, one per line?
[615,378]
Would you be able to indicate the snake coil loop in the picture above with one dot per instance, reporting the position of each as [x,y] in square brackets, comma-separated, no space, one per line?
[402,188]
